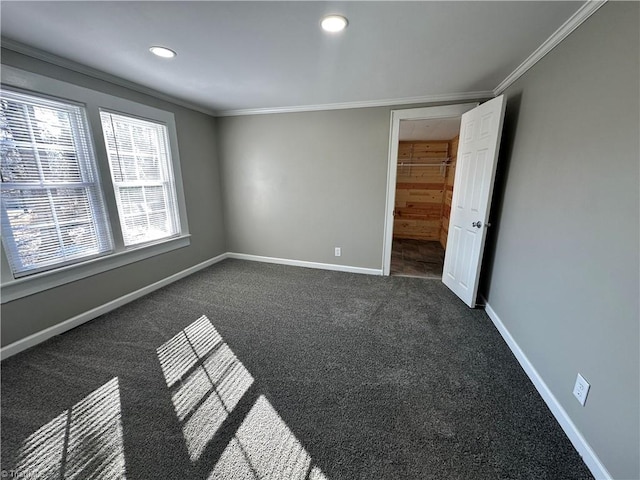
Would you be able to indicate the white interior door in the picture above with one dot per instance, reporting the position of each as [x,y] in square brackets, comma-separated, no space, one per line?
[422,113]
[480,132]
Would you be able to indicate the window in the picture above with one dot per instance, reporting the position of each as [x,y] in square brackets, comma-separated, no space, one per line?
[140,164]
[89,182]
[53,212]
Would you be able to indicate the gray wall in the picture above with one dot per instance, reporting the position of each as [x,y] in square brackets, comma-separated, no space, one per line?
[199,165]
[297,185]
[565,272]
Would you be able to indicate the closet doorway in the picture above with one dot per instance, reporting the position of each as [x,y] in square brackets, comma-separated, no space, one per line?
[424,185]
[420,186]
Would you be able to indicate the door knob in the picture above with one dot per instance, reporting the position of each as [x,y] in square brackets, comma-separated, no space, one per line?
[477,224]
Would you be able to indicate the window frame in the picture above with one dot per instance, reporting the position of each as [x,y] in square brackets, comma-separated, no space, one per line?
[88,168]
[172,194]
[93,101]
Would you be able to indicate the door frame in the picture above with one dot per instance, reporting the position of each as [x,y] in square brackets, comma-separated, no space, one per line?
[422,113]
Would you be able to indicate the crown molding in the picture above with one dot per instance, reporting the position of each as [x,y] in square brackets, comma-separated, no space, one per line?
[98,74]
[577,19]
[440,98]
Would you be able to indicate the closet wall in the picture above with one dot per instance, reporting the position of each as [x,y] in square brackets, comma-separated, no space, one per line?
[420,187]
[424,187]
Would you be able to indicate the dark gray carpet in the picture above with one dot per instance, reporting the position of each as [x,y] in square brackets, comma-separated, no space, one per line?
[315,375]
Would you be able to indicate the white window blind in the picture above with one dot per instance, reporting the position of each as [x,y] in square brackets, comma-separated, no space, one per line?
[53,213]
[142,175]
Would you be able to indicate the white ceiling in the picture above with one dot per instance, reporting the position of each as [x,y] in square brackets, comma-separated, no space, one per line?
[430,129]
[264,55]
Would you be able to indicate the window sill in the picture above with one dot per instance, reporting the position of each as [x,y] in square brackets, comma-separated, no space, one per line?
[23,287]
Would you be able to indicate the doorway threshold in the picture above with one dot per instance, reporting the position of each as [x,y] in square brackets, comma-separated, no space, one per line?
[417,258]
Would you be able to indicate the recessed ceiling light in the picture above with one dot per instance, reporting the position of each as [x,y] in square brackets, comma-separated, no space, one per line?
[334,23]
[163,52]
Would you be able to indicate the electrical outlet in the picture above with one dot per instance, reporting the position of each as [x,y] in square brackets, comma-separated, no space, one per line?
[338,251]
[581,389]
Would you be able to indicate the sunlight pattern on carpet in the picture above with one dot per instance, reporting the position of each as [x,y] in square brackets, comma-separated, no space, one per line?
[264,448]
[207,382]
[82,442]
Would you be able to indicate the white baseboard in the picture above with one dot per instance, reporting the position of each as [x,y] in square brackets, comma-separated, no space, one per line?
[62,327]
[581,445]
[303,263]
